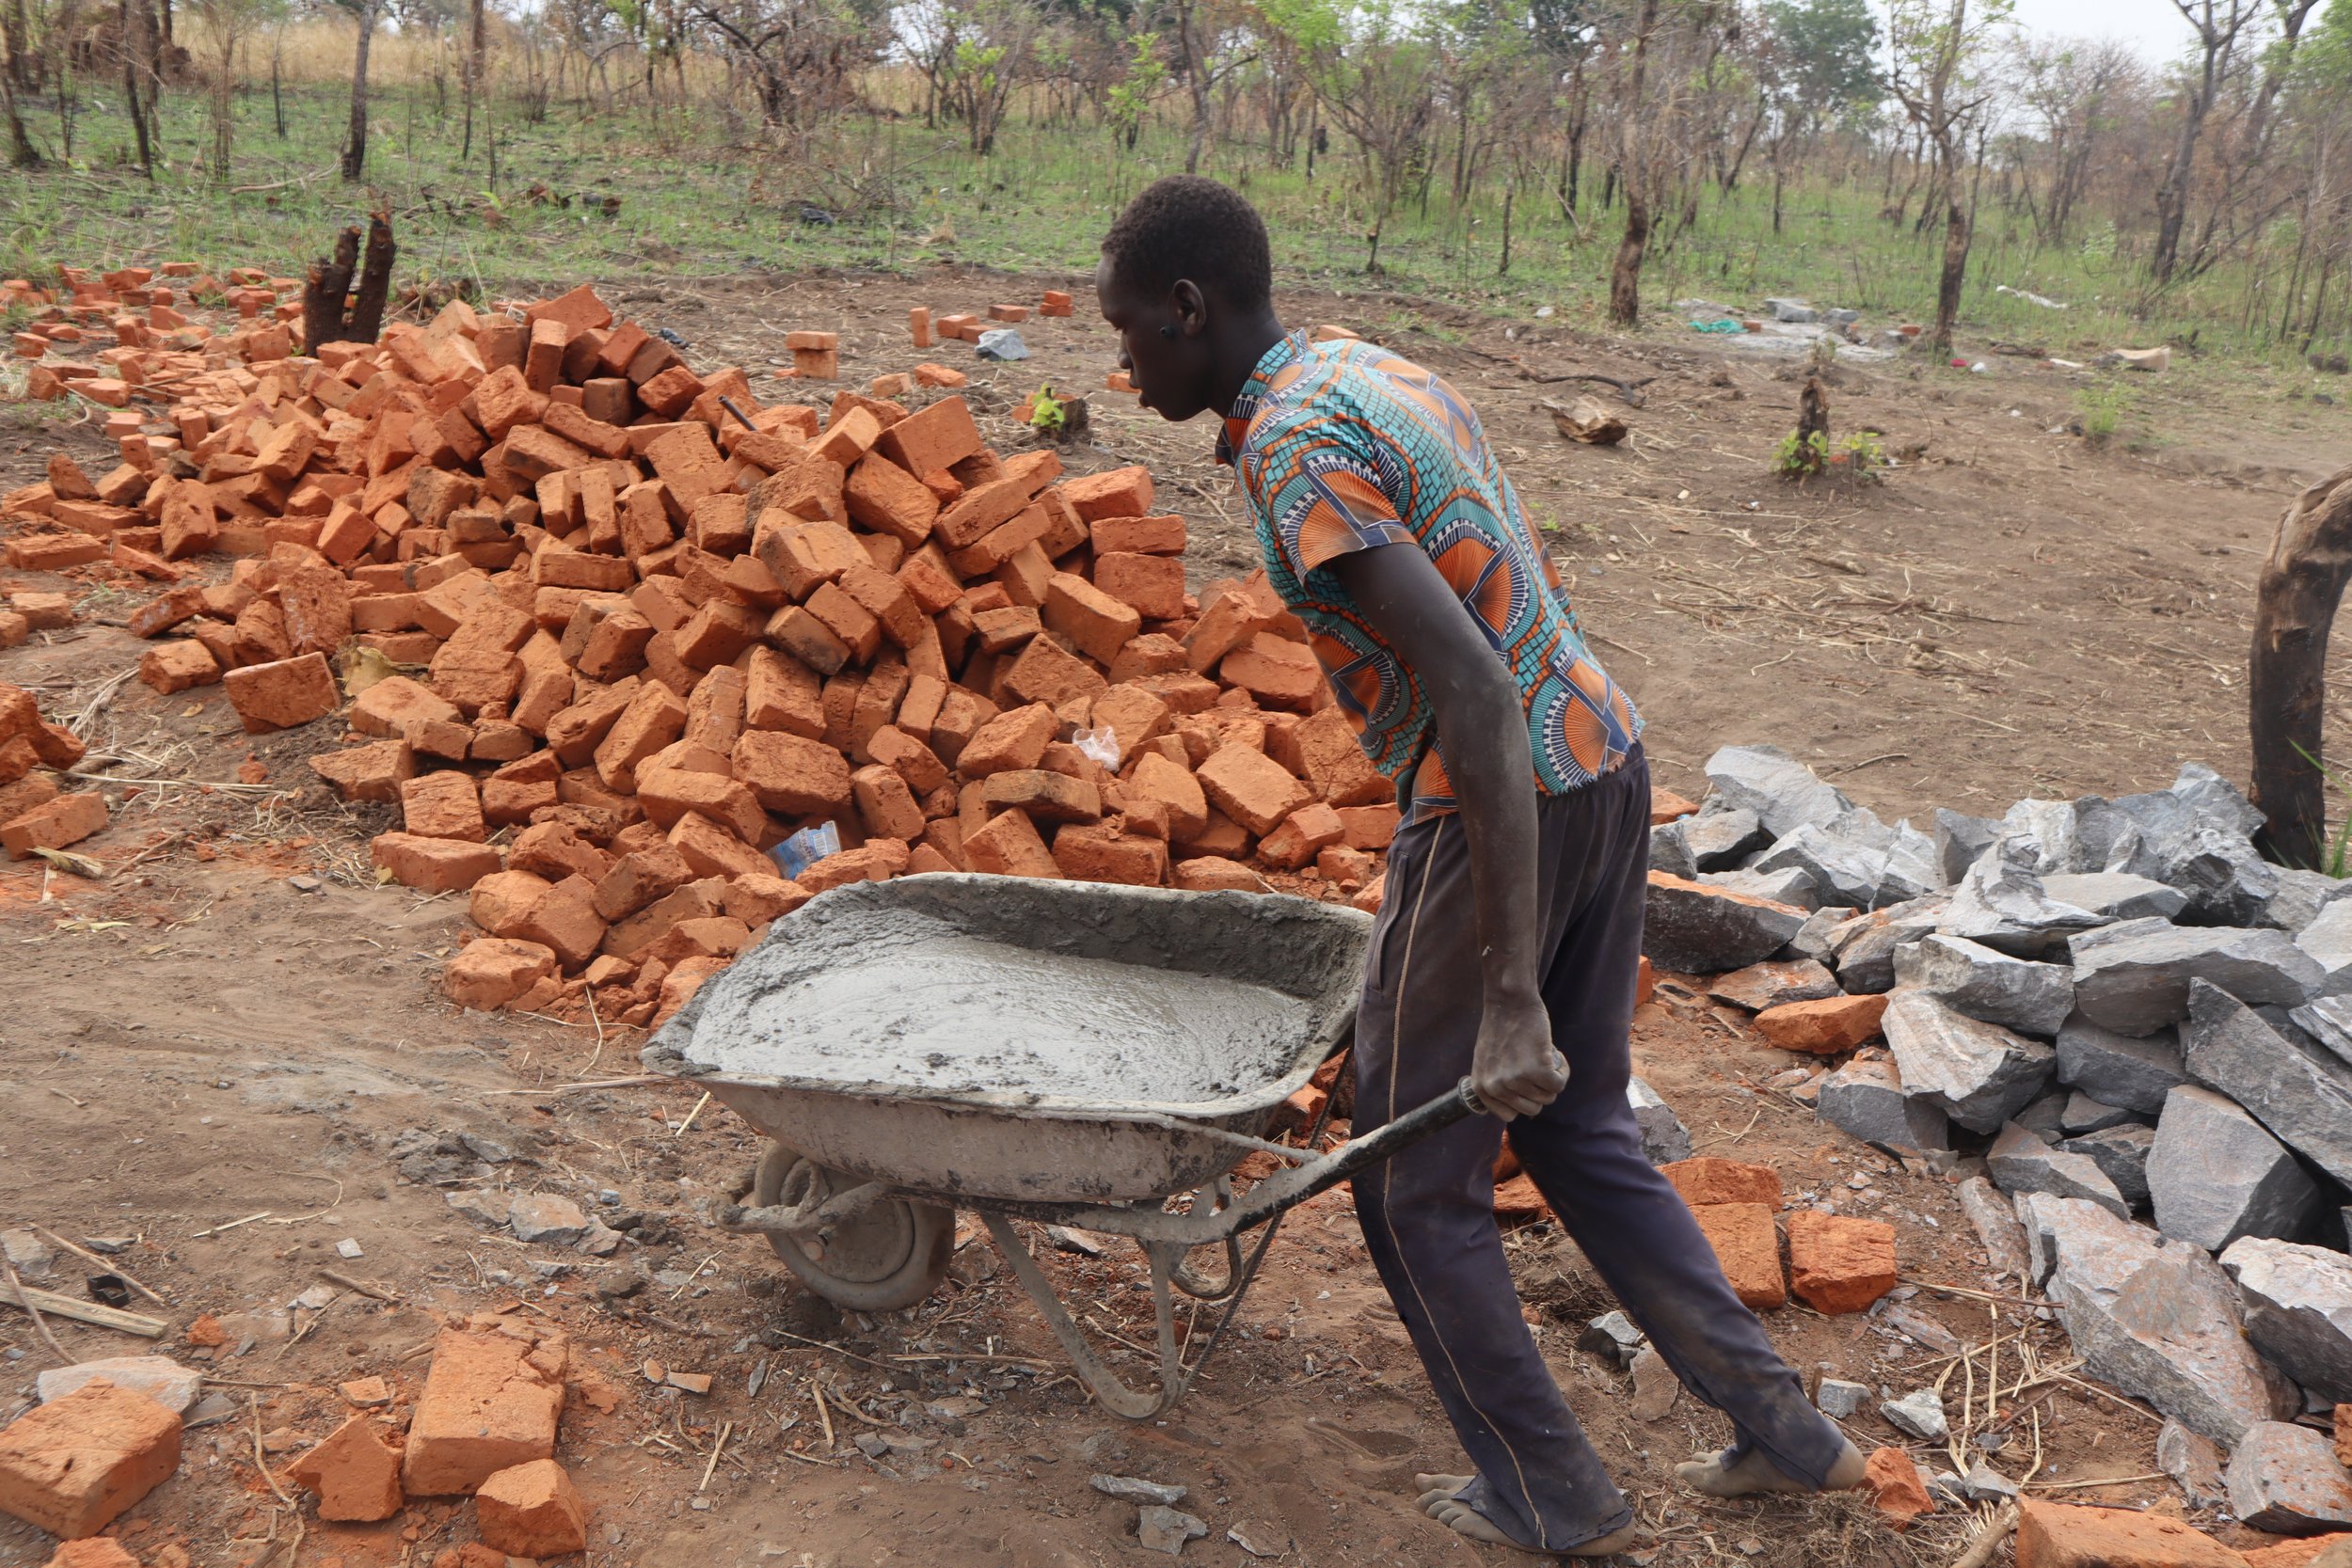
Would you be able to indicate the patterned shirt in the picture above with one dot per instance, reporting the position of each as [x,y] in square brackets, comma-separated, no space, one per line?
[1344,445]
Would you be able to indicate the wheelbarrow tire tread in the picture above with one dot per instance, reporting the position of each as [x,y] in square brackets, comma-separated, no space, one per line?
[931,1229]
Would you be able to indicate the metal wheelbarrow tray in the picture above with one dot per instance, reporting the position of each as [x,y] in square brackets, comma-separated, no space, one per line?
[1074,1052]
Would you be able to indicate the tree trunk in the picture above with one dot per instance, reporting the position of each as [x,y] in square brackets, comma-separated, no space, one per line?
[1956,237]
[1625,276]
[21,153]
[19,77]
[355,141]
[2172,195]
[134,22]
[2295,607]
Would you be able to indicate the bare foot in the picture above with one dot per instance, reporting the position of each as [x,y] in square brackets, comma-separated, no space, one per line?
[1753,1473]
[1438,1500]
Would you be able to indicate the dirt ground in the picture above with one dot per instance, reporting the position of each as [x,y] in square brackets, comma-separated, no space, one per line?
[226,1050]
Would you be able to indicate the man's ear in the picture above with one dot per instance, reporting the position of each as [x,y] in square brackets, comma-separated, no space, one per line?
[1192,308]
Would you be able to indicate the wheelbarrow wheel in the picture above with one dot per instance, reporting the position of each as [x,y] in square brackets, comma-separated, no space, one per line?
[892,1256]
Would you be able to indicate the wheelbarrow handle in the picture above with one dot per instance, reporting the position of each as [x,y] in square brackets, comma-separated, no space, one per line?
[1286,1190]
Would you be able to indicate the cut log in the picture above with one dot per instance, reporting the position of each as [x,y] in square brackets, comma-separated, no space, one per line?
[2295,607]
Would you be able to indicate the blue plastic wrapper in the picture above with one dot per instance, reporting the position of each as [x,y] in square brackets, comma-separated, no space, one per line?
[806,847]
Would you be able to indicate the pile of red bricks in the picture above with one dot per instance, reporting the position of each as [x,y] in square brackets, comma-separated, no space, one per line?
[650,640]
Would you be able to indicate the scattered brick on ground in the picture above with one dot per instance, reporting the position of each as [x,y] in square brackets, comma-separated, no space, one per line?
[1839,1263]
[72,1466]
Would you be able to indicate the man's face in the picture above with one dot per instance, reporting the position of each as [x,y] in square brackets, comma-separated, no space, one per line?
[1170,371]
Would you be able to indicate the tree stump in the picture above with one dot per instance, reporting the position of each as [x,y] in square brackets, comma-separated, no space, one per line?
[2295,607]
[333,311]
[1813,412]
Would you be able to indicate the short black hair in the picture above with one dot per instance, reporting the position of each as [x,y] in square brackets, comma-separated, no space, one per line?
[1189,226]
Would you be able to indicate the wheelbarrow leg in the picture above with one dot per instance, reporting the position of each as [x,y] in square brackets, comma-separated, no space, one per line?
[1120,1399]
[1218,1194]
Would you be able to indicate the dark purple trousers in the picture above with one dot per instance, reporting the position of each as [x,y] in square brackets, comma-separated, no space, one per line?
[1428,1214]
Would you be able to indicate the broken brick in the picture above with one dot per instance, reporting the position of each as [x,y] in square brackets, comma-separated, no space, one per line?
[490,1402]
[354,1471]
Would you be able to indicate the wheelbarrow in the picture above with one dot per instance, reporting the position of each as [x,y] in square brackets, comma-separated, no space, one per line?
[1069,1053]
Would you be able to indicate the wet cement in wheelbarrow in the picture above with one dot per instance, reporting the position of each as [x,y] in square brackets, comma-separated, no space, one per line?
[944,1011]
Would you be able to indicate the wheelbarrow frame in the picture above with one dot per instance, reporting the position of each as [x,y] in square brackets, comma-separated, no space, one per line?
[1214,1216]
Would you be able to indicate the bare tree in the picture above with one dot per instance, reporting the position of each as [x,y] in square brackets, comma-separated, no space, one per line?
[1935,52]
[1635,169]
[1211,45]
[2218,24]
[355,159]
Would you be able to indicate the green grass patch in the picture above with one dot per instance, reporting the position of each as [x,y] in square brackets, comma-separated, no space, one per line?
[699,194]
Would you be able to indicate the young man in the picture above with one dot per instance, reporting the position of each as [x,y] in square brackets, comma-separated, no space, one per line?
[1507,943]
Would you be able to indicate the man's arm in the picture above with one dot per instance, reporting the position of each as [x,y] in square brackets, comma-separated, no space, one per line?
[1482,726]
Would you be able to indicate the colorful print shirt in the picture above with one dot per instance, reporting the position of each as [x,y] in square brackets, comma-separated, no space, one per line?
[1344,445]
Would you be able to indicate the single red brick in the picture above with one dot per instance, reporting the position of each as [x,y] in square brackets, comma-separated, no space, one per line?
[284,693]
[72,1466]
[1042,795]
[933,439]
[442,805]
[1277,672]
[485,975]
[1009,846]
[1748,1248]
[1711,1180]
[1174,786]
[354,1471]
[1215,874]
[641,879]
[790,774]
[1301,836]
[67,819]
[1250,788]
[1840,1263]
[1101,854]
[1097,623]
[367,772]
[1119,493]
[877,859]
[433,865]
[1330,757]
[1138,536]
[2060,1535]
[1014,739]
[178,665]
[1824,1027]
[1370,827]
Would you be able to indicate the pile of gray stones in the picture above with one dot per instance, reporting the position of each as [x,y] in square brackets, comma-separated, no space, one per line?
[2123,1034]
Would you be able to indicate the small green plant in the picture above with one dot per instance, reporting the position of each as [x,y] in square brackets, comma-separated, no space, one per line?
[1047,412]
[1802,456]
[2101,411]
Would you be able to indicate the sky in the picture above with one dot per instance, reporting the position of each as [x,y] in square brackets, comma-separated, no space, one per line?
[2150,26]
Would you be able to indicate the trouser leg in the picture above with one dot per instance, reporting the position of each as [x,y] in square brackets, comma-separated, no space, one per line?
[1584,1152]
[1429,1213]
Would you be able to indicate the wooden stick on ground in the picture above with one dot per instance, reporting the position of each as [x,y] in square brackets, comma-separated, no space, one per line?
[17,1286]
[359,1285]
[1988,1542]
[106,1263]
[17,1293]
